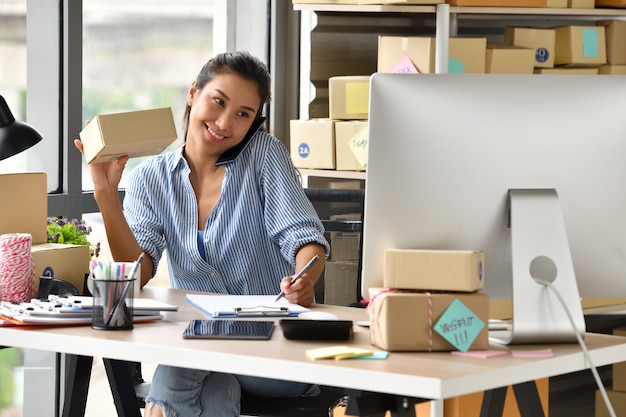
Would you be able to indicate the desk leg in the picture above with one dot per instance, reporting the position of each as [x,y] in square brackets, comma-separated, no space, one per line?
[493,402]
[528,401]
[77,385]
[122,388]
[526,394]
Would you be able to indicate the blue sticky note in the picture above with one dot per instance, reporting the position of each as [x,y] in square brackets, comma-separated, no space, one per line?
[459,325]
[455,67]
[590,42]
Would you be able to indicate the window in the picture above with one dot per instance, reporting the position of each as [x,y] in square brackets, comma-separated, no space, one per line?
[142,54]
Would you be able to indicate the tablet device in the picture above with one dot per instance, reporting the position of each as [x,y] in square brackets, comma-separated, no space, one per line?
[228,329]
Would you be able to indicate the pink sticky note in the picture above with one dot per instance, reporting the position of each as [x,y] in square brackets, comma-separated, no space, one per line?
[538,353]
[482,354]
[404,66]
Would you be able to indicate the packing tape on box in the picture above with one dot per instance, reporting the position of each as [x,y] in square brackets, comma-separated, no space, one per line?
[430,311]
[17,269]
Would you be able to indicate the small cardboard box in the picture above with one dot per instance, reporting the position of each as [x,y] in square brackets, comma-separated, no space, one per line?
[346,133]
[25,209]
[410,321]
[344,246]
[619,369]
[542,41]
[580,46]
[313,143]
[136,133]
[618,402]
[67,262]
[465,55]
[615,32]
[340,282]
[509,59]
[610,3]
[612,69]
[581,4]
[499,3]
[588,71]
[349,97]
[434,270]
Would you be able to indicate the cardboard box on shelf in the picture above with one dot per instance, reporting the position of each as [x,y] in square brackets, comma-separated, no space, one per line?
[615,33]
[134,133]
[581,4]
[556,3]
[466,55]
[413,1]
[618,402]
[313,143]
[351,144]
[509,59]
[589,71]
[612,69]
[349,97]
[542,41]
[619,369]
[499,3]
[27,211]
[580,46]
[391,330]
[434,270]
[340,282]
[67,262]
[344,246]
[610,3]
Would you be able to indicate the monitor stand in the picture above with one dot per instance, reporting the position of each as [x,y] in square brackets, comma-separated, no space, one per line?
[540,250]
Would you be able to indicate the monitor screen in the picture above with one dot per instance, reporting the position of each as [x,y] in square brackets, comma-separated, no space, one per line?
[446,150]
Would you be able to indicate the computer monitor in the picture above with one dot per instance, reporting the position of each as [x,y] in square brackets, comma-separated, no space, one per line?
[453,160]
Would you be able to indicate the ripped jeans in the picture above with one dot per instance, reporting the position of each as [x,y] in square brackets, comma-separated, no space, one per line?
[183,392]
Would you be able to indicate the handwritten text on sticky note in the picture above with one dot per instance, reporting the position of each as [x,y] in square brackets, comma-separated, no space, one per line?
[358,145]
[459,325]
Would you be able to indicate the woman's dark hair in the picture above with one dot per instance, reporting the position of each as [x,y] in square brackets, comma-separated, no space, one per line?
[241,63]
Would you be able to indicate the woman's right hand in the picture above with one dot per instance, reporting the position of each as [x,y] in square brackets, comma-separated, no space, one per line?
[106,176]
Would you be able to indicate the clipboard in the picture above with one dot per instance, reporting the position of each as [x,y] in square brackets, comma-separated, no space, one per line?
[233,306]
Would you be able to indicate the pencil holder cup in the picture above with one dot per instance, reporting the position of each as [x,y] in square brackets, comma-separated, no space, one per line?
[112,304]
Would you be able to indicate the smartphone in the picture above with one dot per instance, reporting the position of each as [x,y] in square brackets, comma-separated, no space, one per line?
[228,329]
[233,152]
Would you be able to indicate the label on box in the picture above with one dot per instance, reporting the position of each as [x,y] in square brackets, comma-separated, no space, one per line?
[459,325]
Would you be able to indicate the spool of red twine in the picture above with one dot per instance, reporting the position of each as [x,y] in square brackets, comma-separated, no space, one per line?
[17,269]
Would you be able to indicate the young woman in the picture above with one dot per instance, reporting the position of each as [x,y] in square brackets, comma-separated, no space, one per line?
[232,215]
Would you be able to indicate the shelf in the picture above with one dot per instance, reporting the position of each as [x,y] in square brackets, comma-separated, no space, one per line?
[536,11]
[329,173]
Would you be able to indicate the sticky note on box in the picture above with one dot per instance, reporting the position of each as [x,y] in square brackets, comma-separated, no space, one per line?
[137,133]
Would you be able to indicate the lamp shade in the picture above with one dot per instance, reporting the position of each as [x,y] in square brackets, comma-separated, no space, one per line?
[15,136]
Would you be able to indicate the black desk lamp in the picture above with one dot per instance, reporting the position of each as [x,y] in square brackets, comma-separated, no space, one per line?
[15,136]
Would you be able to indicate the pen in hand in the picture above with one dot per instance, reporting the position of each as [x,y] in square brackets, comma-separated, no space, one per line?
[299,275]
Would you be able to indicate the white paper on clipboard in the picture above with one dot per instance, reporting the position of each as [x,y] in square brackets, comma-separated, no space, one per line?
[218,305]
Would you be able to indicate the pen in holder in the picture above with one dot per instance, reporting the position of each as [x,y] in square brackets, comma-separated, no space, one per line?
[113,293]
[112,304]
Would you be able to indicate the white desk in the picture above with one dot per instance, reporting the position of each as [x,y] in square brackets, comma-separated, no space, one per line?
[424,375]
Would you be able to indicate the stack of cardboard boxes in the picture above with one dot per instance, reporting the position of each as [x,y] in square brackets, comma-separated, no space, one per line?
[431,301]
[337,142]
[25,210]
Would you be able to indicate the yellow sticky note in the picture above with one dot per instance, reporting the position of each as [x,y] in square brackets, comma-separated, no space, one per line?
[357,97]
[336,352]
[358,145]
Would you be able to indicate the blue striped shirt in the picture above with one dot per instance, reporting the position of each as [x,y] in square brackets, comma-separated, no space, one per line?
[251,236]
